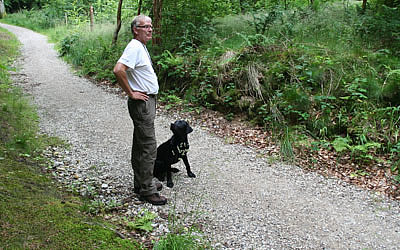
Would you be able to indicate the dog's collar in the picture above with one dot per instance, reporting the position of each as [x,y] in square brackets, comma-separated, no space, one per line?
[181,149]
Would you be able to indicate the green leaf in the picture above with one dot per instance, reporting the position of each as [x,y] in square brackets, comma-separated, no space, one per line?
[143,223]
[3,66]
[341,144]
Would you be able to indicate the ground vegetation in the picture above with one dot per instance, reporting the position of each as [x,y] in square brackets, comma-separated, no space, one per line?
[320,78]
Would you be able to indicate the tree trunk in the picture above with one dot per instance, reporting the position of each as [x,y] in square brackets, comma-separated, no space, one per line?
[157,17]
[115,36]
[2,9]
[140,7]
[364,5]
[91,18]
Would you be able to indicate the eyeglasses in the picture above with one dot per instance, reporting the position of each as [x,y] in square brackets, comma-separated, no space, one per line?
[145,26]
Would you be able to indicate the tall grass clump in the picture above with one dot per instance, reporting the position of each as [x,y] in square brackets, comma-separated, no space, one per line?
[230,29]
[182,235]
[38,20]
[18,121]
[177,242]
[92,52]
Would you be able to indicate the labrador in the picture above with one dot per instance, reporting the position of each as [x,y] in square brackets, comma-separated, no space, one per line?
[171,151]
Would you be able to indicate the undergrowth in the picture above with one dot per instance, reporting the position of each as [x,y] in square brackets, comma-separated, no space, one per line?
[326,71]
[34,214]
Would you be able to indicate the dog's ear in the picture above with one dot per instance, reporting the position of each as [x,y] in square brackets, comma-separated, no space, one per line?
[172,127]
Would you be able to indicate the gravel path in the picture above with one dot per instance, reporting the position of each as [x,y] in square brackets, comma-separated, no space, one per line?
[240,200]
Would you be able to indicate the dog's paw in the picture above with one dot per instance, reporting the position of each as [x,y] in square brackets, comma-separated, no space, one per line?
[191,175]
[170,184]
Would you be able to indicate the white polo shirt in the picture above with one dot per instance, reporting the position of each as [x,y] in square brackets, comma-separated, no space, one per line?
[140,72]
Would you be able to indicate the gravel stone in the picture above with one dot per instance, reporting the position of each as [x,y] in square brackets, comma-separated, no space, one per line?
[239,199]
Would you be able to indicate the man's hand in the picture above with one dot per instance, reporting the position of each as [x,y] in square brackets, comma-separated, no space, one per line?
[120,74]
[136,95]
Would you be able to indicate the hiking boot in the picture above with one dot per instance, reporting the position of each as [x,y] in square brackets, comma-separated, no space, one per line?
[154,199]
[159,187]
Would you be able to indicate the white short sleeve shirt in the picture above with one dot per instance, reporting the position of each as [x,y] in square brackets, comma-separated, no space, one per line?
[140,73]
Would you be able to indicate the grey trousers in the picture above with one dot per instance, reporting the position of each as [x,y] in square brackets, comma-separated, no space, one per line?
[144,145]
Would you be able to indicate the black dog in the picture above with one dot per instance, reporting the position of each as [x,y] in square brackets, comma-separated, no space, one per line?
[171,151]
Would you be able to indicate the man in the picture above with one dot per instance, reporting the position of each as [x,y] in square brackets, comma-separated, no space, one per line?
[136,76]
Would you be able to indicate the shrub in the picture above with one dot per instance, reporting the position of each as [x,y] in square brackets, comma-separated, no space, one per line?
[381,24]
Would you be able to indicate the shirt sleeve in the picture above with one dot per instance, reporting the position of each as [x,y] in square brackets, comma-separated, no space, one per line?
[130,56]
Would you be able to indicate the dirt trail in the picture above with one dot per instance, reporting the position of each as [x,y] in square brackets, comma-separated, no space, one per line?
[241,200]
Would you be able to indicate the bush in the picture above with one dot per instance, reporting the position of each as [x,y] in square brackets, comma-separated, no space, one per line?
[92,52]
[381,24]
[310,70]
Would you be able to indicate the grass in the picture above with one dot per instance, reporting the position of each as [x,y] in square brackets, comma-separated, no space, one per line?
[34,213]
[175,241]
[35,19]
[229,28]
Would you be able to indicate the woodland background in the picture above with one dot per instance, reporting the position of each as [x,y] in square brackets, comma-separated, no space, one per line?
[321,79]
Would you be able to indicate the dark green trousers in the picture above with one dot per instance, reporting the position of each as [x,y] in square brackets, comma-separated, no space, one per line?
[144,145]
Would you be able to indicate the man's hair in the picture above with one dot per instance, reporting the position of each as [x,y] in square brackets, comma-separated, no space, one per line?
[136,21]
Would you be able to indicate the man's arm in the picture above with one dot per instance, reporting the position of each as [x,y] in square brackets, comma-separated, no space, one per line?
[120,74]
